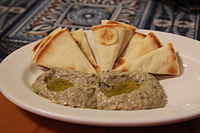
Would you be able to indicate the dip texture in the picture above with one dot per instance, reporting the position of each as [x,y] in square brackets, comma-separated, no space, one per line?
[81,94]
[111,90]
[148,95]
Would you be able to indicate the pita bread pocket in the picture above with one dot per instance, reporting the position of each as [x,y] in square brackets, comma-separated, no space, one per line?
[62,51]
[159,61]
[81,39]
[139,45]
[109,40]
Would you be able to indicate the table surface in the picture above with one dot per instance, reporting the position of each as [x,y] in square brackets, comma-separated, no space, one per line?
[23,22]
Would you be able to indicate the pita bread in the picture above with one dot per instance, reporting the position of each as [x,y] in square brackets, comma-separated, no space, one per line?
[80,38]
[128,35]
[148,44]
[92,43]
[41,41]
[62,51]
[39,45]
[109,39]
[139,45]
[134,42]
[120,23]
[159,61]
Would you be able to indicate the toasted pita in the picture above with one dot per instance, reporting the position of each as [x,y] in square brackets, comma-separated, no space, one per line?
[109,39]
[134,42]
[139,45]
[81,39]
[40,44]
[128,35]
[159,61]
[148,44]
[41,41]
[62,51]
[120,23]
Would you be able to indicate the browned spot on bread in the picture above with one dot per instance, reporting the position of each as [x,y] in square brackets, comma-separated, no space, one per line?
[77,41]
[172,70]
[132,28]
[48,46]
[124,69]
[37,45]
[119,62]
[174,57]
[72,67]
[40,47]
[157,41]
[95,67]
[106,35]
[175,70]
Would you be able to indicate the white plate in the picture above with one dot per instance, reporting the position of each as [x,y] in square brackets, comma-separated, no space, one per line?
[17,72]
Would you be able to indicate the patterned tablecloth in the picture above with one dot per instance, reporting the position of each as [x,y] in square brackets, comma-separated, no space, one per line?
[24,21]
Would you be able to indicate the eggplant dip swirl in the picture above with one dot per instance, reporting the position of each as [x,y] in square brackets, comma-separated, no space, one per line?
[111,90]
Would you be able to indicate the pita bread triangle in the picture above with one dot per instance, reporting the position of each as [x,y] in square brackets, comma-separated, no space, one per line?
[37,44]
[41,43]
[81,39]
[60,50]
[109,39]
[159,61]
[128,35]
[133,44]
[139,45]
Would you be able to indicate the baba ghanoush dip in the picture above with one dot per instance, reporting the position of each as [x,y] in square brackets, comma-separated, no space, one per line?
[111,90]
[67,87]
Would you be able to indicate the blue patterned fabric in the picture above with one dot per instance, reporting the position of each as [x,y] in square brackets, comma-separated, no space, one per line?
[25,21]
